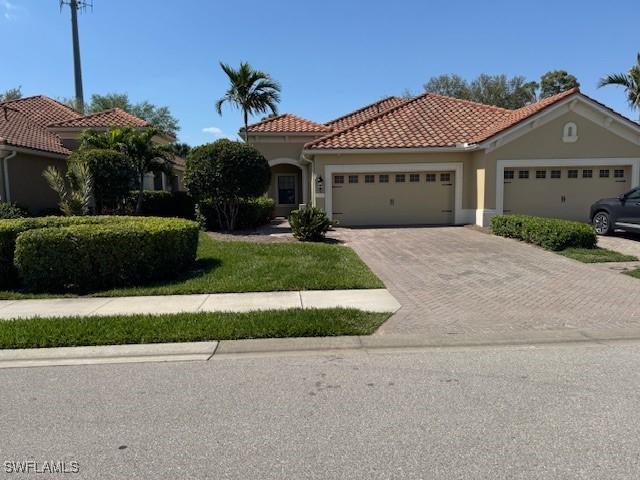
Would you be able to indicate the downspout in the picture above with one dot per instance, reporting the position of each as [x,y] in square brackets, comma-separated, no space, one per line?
[312,187]
[4,158]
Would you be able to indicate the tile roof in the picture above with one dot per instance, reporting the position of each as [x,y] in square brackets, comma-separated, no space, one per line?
[431,120]
[18,130]
[287,123]
[365,113]
[107,118]
[42,110]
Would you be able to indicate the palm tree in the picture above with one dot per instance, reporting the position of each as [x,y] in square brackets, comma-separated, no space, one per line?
[630,81]
[145,154]
[74,188]
[251,91]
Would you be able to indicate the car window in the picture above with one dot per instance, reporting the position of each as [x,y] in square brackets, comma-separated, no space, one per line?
[634,195]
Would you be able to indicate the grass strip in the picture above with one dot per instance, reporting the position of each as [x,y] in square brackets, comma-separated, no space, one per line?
[596,255]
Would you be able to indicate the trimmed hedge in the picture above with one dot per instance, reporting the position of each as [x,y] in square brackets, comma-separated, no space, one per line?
[549,233]
[252,213]
[89,253]
[163,204]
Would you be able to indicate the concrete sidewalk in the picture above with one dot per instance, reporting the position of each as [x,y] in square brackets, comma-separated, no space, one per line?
[373,300]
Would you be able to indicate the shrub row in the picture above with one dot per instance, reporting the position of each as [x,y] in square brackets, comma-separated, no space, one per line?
[252,213]
[163,204]
[89,253]
[550,233]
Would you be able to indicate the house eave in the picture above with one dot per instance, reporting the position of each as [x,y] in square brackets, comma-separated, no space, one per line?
[344,151]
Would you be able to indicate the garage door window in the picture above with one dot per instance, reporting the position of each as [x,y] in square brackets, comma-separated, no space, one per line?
[414,177]
[338,179]
[508,174]
[587,173]
[383,178]
[555,174]
[445,177]
[541,174]
[604,173]
[399,178]
[618,174]
[369,179]
[353,178]
[286,190]
[572,174]
[431,177]
[523,174]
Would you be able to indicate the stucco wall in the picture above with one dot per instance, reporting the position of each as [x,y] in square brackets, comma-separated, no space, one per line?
[28,187]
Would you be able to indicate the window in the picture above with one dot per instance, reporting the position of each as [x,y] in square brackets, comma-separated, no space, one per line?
[383,178]
[338,179]
[353,178]
[634,195]
[508,174]
[445,177]
[369,179]
[286,189]
[431,177]
[570,133]
[618,173]
[572,174]
[587,173]
[399,178]
[414,177]
[523,174]
[541,174]
[604,173]
[555,174]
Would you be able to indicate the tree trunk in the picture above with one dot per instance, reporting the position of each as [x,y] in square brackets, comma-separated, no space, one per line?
[246,127]
[140,195]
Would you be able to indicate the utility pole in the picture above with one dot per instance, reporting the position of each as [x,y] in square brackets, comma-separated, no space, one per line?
[75,6]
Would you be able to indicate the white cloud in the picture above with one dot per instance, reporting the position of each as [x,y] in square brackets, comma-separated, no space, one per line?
[9,9]
[215,131]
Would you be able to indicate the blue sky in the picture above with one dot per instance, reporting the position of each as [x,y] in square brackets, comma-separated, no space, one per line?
[330,56]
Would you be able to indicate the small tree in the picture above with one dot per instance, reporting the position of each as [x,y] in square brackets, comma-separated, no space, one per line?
[74,188]
[556,81]
[112,172]
[225,172]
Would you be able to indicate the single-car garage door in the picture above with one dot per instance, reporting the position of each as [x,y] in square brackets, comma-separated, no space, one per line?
[411,198]
[561,192]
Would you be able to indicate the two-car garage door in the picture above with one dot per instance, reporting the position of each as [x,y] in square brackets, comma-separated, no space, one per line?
[393,198]
[562,192]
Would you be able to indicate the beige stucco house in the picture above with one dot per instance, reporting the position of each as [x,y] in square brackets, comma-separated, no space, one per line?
[37,132]
[440,160]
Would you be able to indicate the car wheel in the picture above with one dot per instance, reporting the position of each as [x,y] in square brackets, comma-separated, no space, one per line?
[602,223]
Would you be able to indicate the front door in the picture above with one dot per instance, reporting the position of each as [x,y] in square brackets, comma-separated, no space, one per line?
[287,187]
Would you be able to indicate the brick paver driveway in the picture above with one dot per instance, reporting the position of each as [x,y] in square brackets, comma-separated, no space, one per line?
[456,280]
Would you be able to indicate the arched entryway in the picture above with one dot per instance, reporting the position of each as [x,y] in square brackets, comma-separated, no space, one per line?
[288,186]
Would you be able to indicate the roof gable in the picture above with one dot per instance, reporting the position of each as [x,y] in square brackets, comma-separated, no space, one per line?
[365,113]
[17,130]
[287,123]
[42,110]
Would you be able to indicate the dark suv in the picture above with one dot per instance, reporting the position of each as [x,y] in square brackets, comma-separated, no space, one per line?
[622,213]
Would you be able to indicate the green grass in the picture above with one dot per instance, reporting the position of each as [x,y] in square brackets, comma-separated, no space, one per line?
[185,327]
[224,267]
[633,273]
[596,255]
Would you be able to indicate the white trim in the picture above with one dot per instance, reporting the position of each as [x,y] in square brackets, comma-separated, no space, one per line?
[570,126]
[285,161]
[459,214]
[33,151]
[319,195]
[342,151]
[634,163]
[295,190]
[483,216]
[7,183]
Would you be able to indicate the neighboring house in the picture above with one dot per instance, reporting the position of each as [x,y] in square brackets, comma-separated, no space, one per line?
[439,160]
[37,132]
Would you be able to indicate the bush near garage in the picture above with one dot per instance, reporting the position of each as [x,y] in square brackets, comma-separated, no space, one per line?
[252,213]
[549,233]
[88,253]
[309,224]
[11,211]
[157,203]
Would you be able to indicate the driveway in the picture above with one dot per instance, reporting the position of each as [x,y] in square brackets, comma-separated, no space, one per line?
[456,280]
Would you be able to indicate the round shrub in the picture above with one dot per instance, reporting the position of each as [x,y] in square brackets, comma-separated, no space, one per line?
[309,224]
[103,252]
[252,213]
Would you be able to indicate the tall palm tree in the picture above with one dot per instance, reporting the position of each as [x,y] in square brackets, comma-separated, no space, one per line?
[251,91]
[145,154]
[630,81]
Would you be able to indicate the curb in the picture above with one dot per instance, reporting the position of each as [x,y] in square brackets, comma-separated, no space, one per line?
[156,352]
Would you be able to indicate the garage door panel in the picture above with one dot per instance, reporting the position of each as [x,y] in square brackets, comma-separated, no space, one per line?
[393,202]
[562,192]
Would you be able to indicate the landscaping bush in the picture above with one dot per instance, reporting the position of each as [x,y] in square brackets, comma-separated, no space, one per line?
[309,224]
[163,204]
[88,253]
[10,211]
[550,233]
[252,213]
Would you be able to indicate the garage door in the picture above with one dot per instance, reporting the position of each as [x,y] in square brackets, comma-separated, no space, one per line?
[561,192]
[411,198]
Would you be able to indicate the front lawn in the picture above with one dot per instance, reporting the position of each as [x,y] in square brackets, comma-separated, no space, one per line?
[253,267]
[596,255]
[186,327]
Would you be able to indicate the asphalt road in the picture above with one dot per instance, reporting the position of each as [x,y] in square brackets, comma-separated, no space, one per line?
[570,411]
